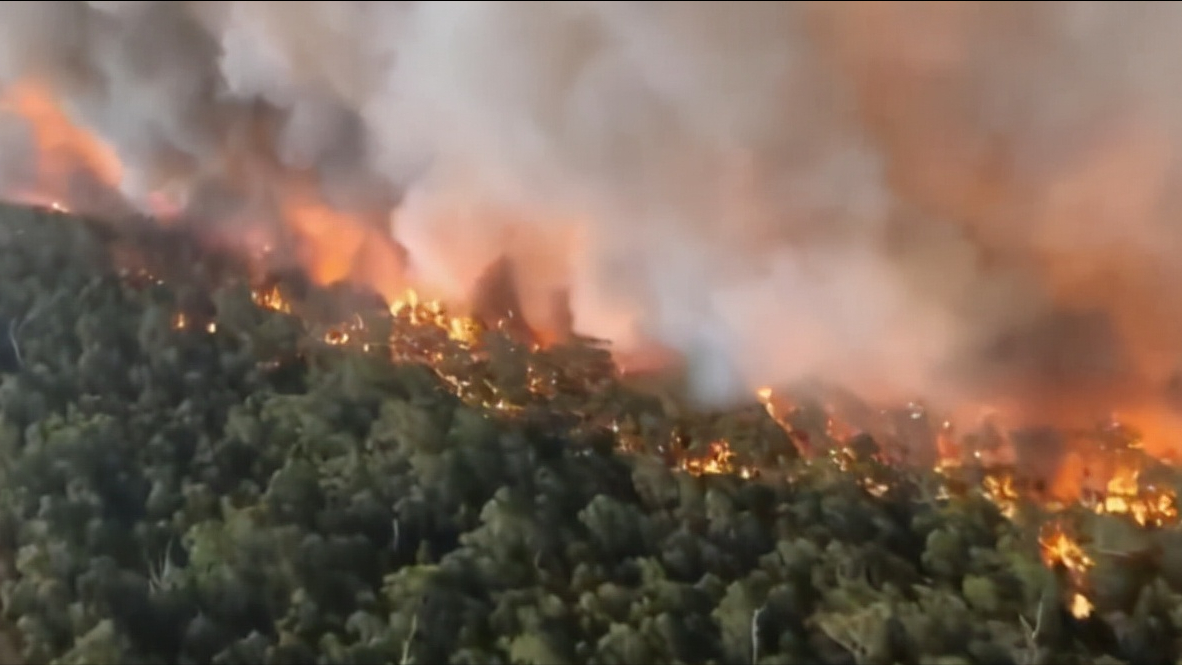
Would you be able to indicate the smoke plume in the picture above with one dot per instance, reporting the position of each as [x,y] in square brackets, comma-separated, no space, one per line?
[952,201]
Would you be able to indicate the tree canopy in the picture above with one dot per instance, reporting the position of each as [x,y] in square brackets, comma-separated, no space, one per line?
[192,474]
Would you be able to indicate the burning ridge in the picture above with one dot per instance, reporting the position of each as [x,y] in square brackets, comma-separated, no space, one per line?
[212,398]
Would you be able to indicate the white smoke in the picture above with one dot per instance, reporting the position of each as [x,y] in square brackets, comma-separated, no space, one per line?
[872,193]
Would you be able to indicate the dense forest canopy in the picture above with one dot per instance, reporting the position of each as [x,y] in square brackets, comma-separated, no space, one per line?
[200,469]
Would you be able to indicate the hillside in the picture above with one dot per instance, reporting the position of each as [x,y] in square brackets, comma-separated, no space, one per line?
[197,469]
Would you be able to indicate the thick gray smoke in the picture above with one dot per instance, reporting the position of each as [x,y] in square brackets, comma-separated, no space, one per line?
[914,199]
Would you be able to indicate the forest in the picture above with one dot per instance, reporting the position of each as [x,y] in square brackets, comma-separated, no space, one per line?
[199,467]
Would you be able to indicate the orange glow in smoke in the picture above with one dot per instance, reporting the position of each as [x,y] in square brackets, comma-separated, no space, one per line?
[64,150]
[338,247]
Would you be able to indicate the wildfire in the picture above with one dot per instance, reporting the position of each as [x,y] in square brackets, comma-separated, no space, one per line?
[272,299]
[418,319]
[1149,506]
[336,337]
[1081,607]
[417,312]
[1058,548]
[765,398]
[719,459]
[340,246]
[180,321]
[999,488]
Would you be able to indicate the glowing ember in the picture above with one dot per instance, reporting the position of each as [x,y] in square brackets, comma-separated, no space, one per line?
[948,449]
[336,337]
[765,398]
[876,489]
[180,321]
[1081,607]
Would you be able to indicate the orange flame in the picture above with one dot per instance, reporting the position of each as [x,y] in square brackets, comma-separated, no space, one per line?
[1058,548]
[339,246]
[272,299]
[719,459]
[1081,607]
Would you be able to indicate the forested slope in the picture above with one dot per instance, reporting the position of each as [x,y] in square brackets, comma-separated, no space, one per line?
[189,473]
